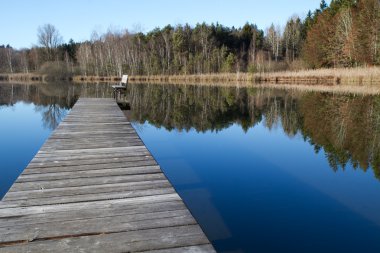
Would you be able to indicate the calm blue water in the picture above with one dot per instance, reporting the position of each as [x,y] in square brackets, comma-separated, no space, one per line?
[28,115]
[261,170]
[22,133]
[261,191]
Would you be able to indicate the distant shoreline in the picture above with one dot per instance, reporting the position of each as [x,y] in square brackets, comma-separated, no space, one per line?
[366,76]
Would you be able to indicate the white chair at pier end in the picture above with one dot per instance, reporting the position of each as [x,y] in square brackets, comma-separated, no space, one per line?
[123,83]
[122,86]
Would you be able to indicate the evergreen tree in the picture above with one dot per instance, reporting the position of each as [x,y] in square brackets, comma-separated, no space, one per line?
[323,5]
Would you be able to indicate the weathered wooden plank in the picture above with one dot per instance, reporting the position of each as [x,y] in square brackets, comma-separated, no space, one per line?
[77,215]
[85,173]
[95,126]
[99,134]
[188,249]
[59,142]
[103,225]
[76,160]
[88,151]
[94,187]
[131,241]
[96,170]
[69,161]
[63,183]
[69,191]
[80,123]
[79,158]
[80,146]
[131,193]
[16,211]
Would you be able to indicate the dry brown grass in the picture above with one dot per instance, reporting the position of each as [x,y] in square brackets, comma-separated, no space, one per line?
[350,76]
[354,80]
[22,77]
[80,79]
[202,78]
[368,76]
[365,80]
[339,72]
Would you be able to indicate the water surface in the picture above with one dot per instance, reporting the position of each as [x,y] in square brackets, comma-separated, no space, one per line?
[262,170]
[266,170]
[28,115]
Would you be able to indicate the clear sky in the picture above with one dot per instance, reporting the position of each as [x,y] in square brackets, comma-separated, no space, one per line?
[77,19]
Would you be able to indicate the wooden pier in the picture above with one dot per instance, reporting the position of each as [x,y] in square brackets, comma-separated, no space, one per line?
[94,187]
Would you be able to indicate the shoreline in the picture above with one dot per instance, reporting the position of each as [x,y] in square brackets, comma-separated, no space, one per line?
[357,76]
[223,79]
[328,77]
[362,80]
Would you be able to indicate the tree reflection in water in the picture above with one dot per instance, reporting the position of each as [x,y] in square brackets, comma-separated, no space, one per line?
[52,100]
[52,115]
[346,127]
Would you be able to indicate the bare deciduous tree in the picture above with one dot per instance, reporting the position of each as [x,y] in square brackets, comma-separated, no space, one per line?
[274,40]
[292,38]
[49,38]
[9,52]
[343,39]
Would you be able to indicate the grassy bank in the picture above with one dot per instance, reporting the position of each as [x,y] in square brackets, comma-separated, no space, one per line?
[32,78]
[91,79]
[22,77]
[352,76]
[344,76]
[244,78]
[324,77]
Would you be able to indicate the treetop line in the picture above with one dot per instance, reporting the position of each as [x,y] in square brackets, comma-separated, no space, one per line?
[342,34]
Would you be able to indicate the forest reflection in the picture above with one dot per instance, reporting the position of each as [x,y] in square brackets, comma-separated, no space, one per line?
[52,100]
[347,127]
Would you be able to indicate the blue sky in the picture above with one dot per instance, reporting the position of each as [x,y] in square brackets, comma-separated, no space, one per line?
[77,19]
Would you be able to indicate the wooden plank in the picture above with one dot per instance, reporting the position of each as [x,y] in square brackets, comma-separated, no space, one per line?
[94,153]
[103,225]
[131,241]
[106,211]
[189,249]
[69,161]
[94,187]
[16,212]
[88,165]
[84,151]
[63,183]
[40,178]
[90,197]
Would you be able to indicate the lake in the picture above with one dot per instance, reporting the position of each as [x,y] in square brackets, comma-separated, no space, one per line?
[262,170]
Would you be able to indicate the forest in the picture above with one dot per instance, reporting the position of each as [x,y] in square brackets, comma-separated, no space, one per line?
[342,34]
